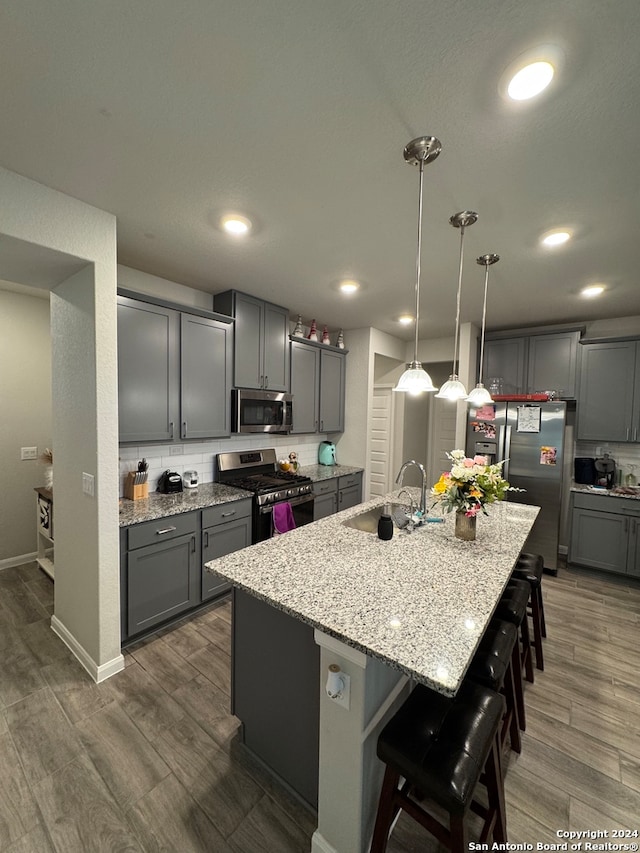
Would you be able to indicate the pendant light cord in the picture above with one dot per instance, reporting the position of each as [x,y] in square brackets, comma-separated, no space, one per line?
[454,372]
[419,252]
[484,317]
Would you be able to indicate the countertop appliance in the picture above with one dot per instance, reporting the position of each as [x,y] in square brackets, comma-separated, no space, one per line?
[190,479]
[326,453]
[169,483]
[261,411]
[257,471]
[584,470]
[605,471]
[530,436]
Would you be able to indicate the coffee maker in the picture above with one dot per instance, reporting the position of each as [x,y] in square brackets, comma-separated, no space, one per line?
[605,471]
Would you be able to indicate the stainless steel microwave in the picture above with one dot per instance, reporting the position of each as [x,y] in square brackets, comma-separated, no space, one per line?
[261,411]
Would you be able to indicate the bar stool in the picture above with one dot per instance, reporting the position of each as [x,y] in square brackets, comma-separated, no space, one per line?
[441,746]
[512,607]
[529,568]
[496,664]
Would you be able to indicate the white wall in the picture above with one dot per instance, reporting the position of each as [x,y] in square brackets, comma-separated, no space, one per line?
[85,409]
[25,403]
[171,291]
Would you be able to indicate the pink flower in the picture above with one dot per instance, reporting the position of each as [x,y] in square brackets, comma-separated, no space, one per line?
[480,460]
[468,463]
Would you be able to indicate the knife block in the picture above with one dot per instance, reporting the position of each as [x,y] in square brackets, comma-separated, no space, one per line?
[135,492]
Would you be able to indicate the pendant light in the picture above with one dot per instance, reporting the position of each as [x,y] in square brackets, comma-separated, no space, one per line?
[480,396]
[418,152]
[453,389]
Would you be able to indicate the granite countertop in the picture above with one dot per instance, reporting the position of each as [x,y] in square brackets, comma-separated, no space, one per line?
[327,472]
[419,602]
[611,493]
[159,506]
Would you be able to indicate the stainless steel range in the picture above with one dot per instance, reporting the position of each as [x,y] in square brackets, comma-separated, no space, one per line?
[257,471]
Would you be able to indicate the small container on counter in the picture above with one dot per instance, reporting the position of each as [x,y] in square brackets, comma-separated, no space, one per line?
[385,524]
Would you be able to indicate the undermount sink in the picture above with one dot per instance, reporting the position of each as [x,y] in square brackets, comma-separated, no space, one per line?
[368,521]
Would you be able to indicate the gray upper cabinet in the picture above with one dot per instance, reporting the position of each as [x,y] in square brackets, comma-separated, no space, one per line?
[529,364]
[317,385]
[305,385]
[506,359]
[148,371]
[174,373]
[609,400]
[261,352]
[206,348]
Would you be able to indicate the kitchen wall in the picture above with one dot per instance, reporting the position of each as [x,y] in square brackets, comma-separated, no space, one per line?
[25,400]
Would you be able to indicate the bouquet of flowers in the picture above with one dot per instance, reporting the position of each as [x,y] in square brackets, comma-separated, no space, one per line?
[470,485]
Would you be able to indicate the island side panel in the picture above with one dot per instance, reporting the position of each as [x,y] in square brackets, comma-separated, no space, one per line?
[275,691]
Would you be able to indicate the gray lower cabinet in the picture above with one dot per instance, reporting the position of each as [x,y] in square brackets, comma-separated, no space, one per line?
[160,572]
[174,373]
[349,491]
[276,691]
[609,399]
[325,498]
[605,533]
[225,528]
[261,353]
[318,386]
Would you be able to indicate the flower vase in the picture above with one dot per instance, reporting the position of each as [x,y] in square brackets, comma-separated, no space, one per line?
[465,526]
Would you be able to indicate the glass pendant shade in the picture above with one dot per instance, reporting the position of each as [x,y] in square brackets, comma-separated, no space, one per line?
[415,380]
[452,389]
[479,396]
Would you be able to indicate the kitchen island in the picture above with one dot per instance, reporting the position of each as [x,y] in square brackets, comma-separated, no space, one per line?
[387,613]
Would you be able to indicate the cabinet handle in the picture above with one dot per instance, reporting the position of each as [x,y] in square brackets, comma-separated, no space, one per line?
[627,438]
[227,514]
[184,429]
[206,539]
[266,381]
[193,544]
[261,381]
[321,426]
[635,434]
[171,430]
[165,530]
[626,525]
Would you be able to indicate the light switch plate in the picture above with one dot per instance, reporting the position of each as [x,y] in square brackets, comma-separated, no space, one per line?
[88,484]
[28,453]
[175,450]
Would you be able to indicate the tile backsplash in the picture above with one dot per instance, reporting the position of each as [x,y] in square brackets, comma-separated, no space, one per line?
[624,455]
[199,455]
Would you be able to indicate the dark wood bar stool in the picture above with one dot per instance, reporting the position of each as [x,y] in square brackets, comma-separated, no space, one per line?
[529,568]
[441,747]
[496,664]
[512,607]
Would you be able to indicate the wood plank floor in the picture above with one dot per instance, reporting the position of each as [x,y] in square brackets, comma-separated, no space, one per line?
[150,761]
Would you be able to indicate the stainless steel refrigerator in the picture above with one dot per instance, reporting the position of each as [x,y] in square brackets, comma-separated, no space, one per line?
[530,436]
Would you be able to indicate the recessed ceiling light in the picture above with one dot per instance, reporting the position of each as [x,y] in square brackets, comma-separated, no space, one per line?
[236,225]
[405,319]
[530,80]
[556,238]
[592,290]
[349,286]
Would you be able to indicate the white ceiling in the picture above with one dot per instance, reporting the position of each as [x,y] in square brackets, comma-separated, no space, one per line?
[295,113]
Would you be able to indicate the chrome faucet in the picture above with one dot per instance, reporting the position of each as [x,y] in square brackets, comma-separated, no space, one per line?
[423,493]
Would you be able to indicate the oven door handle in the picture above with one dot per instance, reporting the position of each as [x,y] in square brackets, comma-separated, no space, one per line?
[299,499]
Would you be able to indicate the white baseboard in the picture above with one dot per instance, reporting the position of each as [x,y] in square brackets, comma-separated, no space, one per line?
[319,844]
[99,672]
[18,561]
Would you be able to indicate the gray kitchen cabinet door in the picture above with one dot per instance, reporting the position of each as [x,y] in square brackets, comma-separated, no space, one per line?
[148,371]
[332,382]
[324,505]
[206,349]
[605,403]
[633,556]
[506,359]
[635,421]
[249,342]
[552,364]
[162,582]
[599,540]
[276,350]
[305,376]
[216,542]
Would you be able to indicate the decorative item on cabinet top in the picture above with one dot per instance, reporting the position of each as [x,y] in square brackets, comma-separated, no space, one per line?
[312,337]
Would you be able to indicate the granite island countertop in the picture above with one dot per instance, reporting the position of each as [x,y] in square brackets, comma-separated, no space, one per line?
[159,506]
[419,602]
[616,492]
[328,472]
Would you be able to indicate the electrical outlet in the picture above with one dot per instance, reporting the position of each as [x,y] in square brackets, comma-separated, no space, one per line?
[175,450]
[345,694]
[28,453]
[88,484]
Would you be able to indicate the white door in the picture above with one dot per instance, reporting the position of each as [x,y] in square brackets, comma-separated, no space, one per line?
[380,429]
[442,430]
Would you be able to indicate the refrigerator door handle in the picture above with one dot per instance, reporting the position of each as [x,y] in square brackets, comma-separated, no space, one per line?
[505,441]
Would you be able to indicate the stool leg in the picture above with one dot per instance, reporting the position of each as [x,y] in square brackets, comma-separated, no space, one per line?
[543,624]
[526,649]
[512,710]
[458,834]
[387,810]
[516,667]
[495,790]
[537,626]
